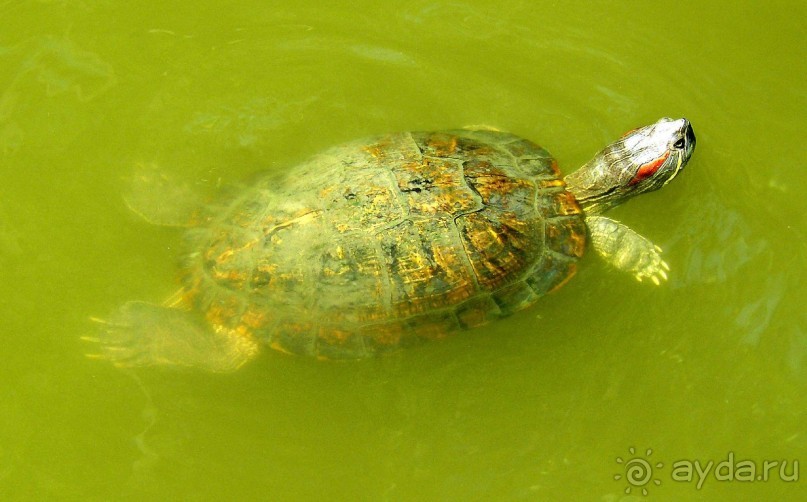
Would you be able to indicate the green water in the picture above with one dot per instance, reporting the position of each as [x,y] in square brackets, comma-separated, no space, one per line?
[535,407]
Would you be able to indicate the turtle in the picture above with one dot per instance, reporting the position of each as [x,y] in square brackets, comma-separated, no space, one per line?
[388,241]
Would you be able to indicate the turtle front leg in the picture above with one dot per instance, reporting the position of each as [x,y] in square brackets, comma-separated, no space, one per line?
[627,250]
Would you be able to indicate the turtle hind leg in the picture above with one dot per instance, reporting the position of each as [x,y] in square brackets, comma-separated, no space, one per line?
[627,250]
[143,334]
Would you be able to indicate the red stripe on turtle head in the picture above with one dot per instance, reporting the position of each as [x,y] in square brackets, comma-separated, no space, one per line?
[647,170]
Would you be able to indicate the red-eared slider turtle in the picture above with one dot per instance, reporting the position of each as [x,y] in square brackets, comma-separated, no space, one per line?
[383,242]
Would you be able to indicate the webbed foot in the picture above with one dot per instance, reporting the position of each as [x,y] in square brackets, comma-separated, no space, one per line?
[627,250]
[143,334]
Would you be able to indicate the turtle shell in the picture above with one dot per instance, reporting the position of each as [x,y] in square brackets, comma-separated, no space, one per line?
[381,243]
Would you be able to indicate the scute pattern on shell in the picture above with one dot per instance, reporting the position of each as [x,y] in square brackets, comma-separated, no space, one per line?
[388,241]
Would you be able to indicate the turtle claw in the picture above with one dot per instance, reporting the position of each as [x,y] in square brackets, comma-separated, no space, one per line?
[651,266]
[657,268]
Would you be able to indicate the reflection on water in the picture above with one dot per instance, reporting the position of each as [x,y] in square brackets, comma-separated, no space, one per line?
[62,67]
[55,65]
[755,317]
[383,54]
[248,124]
[59,66]
[719,243]
[468,20]
[727,246]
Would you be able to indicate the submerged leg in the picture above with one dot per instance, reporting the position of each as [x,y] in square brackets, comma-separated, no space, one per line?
[143,334]
[627,250]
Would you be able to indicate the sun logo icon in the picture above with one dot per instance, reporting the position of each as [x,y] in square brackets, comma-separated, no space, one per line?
[638,471]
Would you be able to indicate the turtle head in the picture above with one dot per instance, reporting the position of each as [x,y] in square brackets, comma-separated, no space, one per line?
[642,160]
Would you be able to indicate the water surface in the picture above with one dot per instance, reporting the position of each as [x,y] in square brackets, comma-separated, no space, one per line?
[538,406]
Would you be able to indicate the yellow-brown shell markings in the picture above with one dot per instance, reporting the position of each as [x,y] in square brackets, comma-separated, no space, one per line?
[383,243]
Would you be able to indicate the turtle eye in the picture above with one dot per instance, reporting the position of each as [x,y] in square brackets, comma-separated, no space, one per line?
[680,144]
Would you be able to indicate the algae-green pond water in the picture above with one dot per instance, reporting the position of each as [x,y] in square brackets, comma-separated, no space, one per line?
[558,402]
